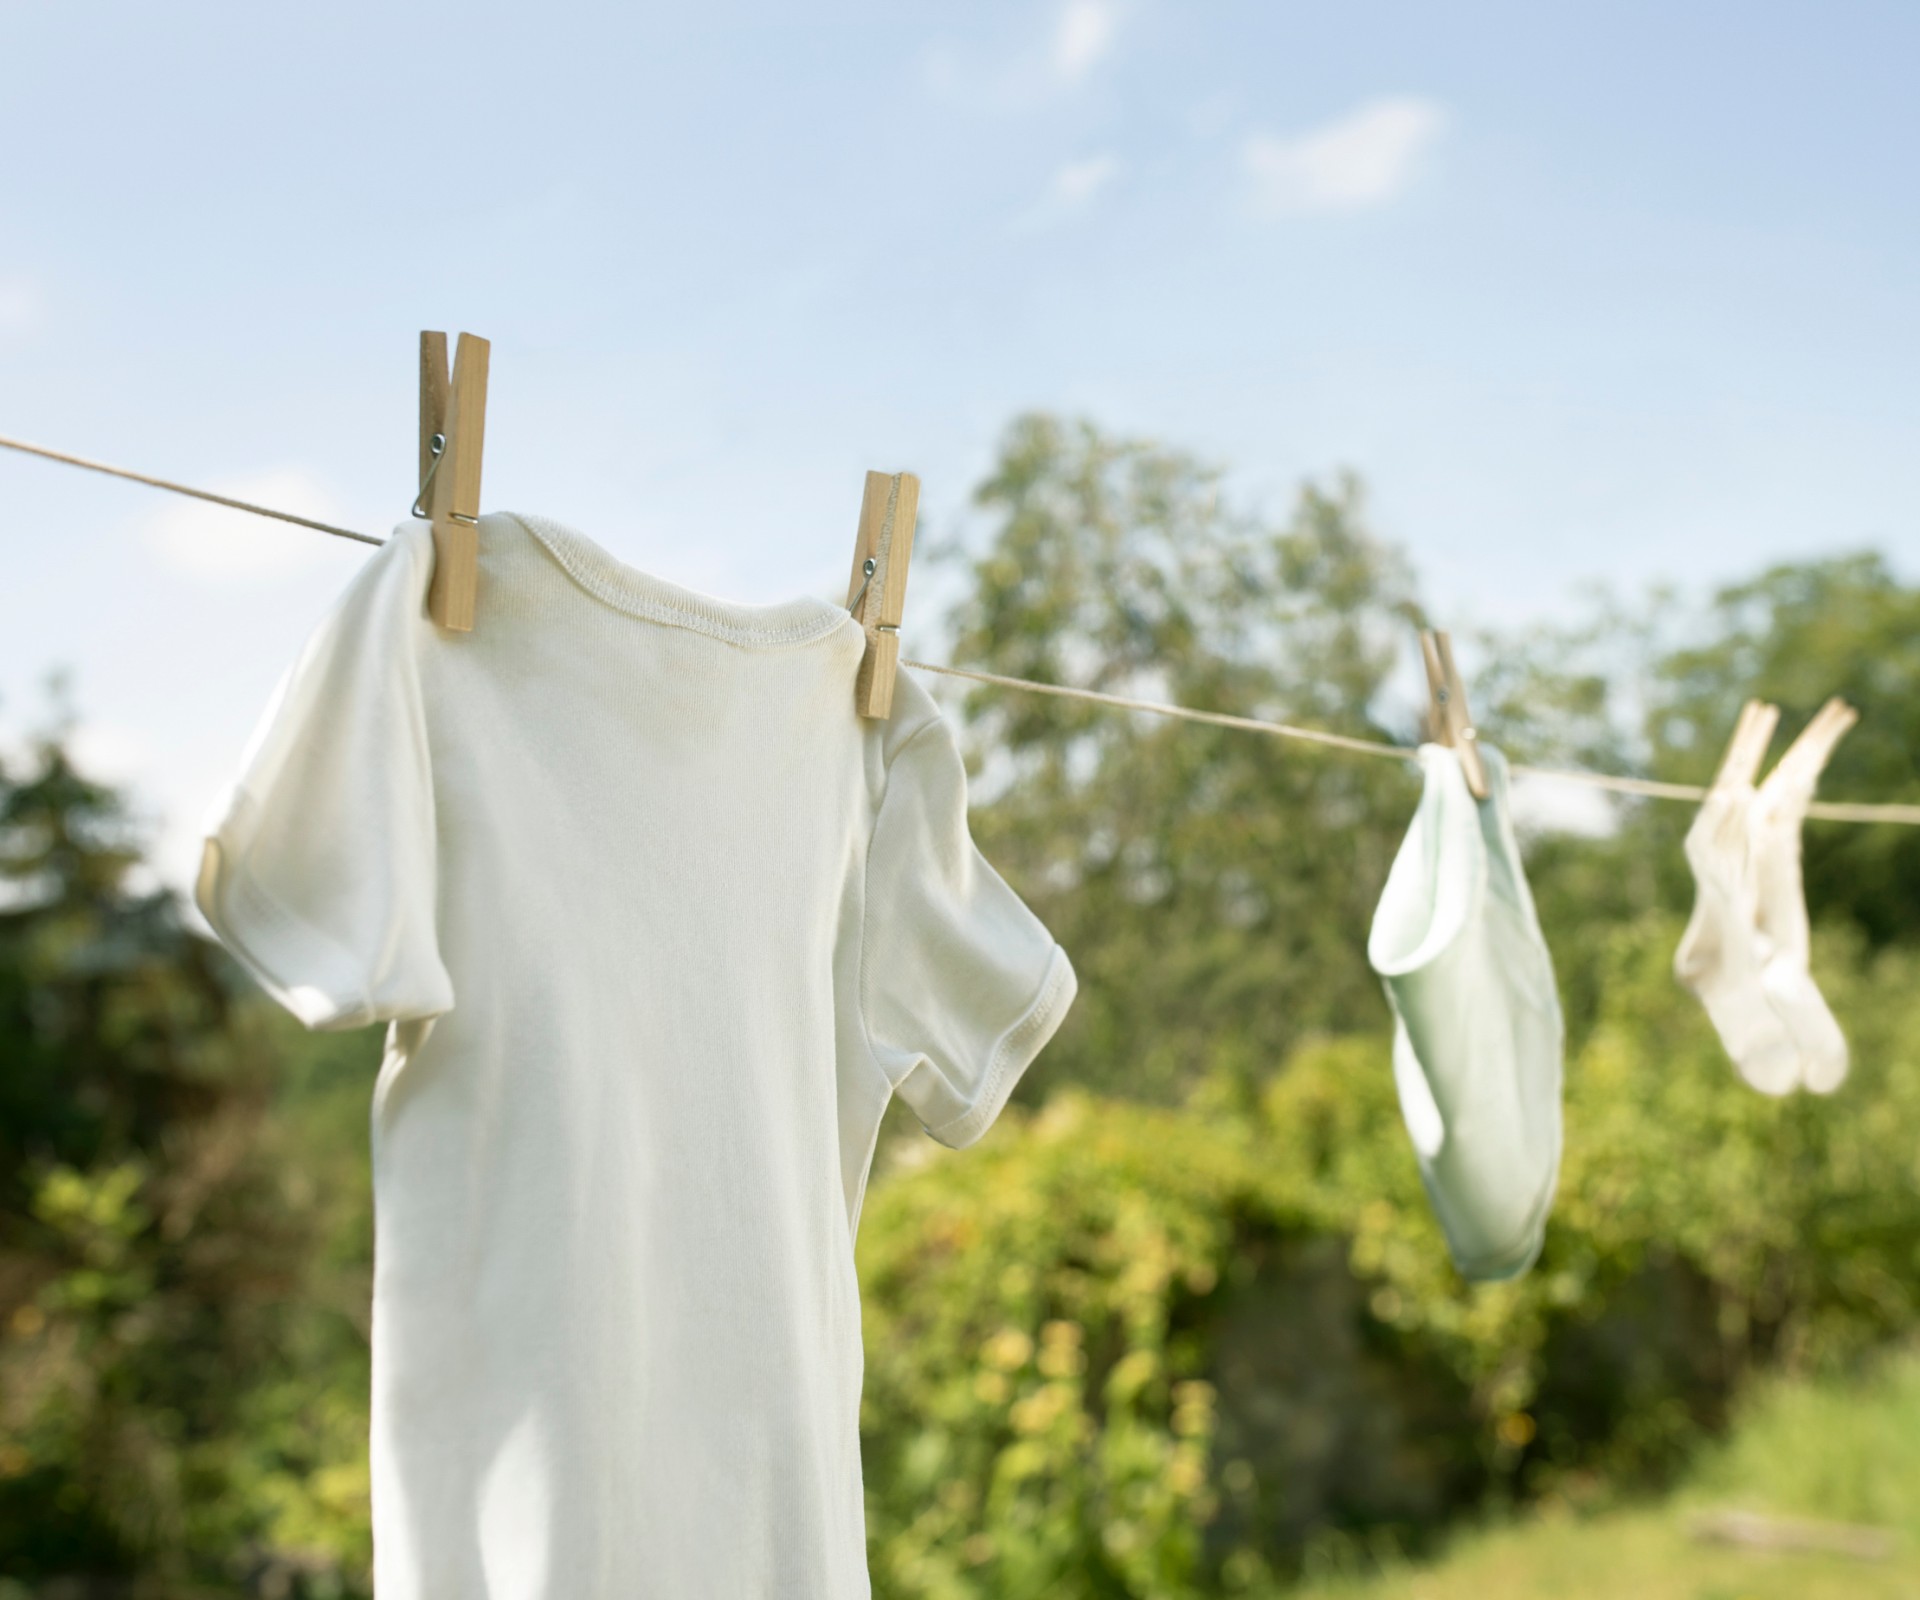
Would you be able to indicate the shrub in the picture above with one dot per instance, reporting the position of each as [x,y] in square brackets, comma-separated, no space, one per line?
[1122,1351]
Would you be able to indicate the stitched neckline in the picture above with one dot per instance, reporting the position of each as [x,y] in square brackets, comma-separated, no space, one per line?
[641,594]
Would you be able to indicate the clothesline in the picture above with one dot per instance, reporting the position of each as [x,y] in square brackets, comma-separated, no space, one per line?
[180,488]
[1651,788]
[1826,810]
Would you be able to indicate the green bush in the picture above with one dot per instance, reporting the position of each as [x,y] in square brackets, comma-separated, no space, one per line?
[1122,1351]
[182,1385]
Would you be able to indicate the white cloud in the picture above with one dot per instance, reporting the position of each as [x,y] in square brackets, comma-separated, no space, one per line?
[1079,181]
[222,545]
[1362,159]
[1084,35]
[110,752]
[1542,803]
[1027,67]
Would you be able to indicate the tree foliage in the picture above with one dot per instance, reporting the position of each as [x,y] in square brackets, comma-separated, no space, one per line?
[1211,884]
[1657,689]
[1144,1352]
[155,1243]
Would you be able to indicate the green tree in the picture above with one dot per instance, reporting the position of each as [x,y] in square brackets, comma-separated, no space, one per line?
[1795,635]
[153,1248]
[1215,887]
[1656,688]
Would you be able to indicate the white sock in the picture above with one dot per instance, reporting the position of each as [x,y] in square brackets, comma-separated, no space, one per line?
[1720,958]
[1779,807]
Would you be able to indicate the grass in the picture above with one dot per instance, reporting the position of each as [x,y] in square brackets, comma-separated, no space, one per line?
[1833,1451]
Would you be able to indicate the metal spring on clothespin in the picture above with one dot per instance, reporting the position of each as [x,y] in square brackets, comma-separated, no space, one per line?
[868,567]
[438,446]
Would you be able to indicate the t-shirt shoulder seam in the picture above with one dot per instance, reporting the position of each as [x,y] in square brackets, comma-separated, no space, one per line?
[741,635]
[931,722]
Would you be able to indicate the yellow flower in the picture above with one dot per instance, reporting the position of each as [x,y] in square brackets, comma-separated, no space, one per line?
[1186,1474]
[1132,1373]
[1009,1349]
[992,1388]
[1041,1409]
[1201,1277]
[1060,1352]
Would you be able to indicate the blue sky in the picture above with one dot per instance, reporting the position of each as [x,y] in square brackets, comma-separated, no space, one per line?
[1623,291]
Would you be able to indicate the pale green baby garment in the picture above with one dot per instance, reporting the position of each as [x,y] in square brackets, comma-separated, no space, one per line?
[1477,1028]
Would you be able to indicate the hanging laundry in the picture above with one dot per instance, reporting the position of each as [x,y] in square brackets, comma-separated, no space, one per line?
[1747,946]
[660,926]
[1786,941]
[1478,1035]
[1719,957]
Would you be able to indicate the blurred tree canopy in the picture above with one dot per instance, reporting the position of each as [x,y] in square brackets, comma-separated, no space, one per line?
[1184,1320]
[162,1292]
[1657,690]
[1214,886]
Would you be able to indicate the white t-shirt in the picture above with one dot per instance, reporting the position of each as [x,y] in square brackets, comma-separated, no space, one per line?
[1477,1028]
[661,925]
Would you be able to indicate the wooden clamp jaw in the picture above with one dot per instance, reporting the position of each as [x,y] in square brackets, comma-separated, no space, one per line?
[1448,720]
[877,594]
[1747,749]
[453,428]
[1807,756]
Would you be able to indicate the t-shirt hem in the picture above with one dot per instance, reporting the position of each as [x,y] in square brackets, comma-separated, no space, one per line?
[1507,1264]
[1017,1049]
[1495,1266]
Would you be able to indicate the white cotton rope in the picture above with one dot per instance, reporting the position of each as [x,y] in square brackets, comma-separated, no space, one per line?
[180,488]
[1339,741]
[1826,810]
[1831,811]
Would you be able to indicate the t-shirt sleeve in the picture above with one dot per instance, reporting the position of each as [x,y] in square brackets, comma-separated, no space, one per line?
[318,870]
[961,984]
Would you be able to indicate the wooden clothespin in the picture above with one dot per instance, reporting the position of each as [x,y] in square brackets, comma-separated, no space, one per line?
[877,595]
[453,429]
[1747,749]
[1809,753]
[1448,719]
